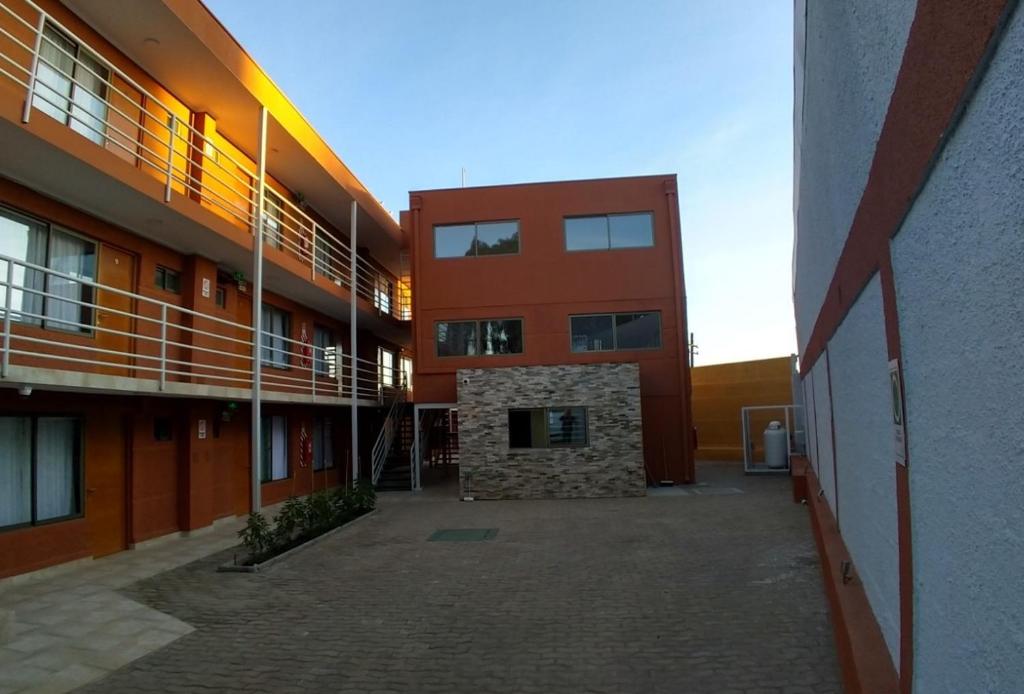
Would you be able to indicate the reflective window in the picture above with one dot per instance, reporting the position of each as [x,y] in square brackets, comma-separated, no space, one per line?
[40,467]
[604,232]
[547,427]
[456,339]
[615,332]
[483,238]
[468,338]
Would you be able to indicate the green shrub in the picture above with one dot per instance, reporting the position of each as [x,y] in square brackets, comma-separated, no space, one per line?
[364,497]
[256,536]
[291,518]
[319,513]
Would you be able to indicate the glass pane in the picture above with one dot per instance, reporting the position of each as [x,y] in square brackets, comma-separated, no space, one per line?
[592,333]
[265,449]
[90,110]
[501,336]
[323,347]
[586,233]
[386,364]
[497,238]
[53,74]
[567,426]
[23,239]
[519,429]
[456,339]
[638,330]
[279,448]
[75,257]
[318,443]
[56,470]
[15,470]
[454,241]
[631,230]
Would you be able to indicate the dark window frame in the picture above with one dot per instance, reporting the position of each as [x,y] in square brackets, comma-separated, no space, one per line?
[78,475]
[608,231]
[267,340]
[615,333]
[476,238]
[546,410]
[479,337]
[267,429]
[162,277]
[326,431]
[169,421]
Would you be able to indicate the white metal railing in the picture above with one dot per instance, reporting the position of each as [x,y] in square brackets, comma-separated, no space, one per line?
[68,322]
[68,80]
[386,435]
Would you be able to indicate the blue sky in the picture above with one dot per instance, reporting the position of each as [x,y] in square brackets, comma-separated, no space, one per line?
[410,92]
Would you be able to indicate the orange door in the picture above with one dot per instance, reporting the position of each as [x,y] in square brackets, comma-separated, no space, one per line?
[116,269]
[105,483]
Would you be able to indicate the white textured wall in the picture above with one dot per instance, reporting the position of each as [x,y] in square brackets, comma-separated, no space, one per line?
[865,460]
[853,53]
[959,263]
[823,426]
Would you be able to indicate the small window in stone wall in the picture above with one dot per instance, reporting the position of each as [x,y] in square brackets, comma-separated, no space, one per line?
[547,427]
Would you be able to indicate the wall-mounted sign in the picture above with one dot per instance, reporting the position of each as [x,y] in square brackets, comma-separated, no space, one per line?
[202,428]
[898,414]
[206,287]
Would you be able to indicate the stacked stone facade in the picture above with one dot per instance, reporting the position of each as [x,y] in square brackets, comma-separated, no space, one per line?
[610,465]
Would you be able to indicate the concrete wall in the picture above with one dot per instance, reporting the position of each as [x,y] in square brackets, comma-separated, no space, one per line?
[823,430]
[865,475]
[853,53]
[720,390]
[611,464]
[959,264]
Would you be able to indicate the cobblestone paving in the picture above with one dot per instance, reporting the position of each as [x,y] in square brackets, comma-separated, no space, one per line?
[681,593]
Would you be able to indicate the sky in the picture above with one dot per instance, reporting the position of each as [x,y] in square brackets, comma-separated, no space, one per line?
[410,92]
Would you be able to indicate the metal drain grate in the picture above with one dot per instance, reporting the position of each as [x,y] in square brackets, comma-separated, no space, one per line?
[463,535]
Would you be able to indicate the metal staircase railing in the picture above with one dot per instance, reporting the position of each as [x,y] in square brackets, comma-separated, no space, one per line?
[386,437]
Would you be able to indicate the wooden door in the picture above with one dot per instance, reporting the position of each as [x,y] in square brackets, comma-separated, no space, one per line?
[116,269]
[105,482]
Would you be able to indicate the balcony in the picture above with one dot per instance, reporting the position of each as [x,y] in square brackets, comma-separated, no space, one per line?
[121,138]
[63,331]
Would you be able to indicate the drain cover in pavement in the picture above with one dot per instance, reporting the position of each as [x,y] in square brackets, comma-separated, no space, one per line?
[463,535]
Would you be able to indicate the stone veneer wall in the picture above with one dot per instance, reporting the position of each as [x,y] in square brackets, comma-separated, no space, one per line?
[611,465]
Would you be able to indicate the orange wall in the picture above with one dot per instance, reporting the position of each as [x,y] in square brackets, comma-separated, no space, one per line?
[720,390]
[544,284]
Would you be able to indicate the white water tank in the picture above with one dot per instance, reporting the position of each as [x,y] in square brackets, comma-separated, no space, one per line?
[776,446]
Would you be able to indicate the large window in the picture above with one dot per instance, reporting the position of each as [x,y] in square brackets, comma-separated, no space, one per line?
[276,333]
[274,450]
[481,238]
[40,469]
[323,351]
[323,443]
[383,294]
[547,427]
[385,367]
[615,332]
[273,213]
[69,304]
[608,231]
[469,338]
[71,85]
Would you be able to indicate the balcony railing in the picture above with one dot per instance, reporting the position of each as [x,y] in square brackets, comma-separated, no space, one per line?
[66,79]
[60,321]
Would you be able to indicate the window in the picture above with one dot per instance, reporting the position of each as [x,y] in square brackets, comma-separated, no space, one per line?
[323,443]
[615,332]
[604,232]
[71,85]
[382,294]
[40,469]
[221,297]
[274,449]
[323,350]
[276,333]
[273,211]
[385,367]
[167,279]
[407,372]
[468,338]
[547,427]
[163,429]
[68,304]
[481,238]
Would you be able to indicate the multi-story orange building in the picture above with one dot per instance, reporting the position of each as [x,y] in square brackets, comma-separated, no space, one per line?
[551,317]
[141,154]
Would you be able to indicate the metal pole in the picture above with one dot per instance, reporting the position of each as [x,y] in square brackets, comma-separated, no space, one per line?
[35,65]
[170,156]
[353,351]
[7,318]
[416,447]
[312,274]
[256,444]
[163,346]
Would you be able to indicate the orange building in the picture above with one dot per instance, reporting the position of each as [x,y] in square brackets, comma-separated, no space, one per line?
[142,155]
[514,279]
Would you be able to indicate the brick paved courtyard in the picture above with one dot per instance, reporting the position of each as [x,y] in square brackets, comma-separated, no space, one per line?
[716,590]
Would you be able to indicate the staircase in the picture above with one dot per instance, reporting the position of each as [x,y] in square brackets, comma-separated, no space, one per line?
[396,475]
